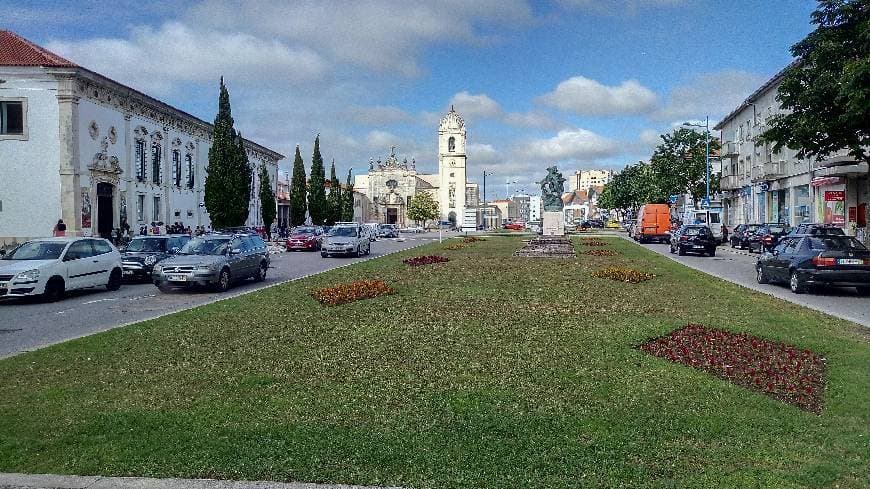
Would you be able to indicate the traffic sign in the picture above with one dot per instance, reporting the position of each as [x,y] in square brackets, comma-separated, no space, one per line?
[673,199]
[705,203]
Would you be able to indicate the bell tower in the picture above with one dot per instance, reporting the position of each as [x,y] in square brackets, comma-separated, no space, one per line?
[451,167]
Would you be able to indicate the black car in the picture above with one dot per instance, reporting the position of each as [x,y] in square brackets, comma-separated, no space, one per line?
[740,236]
[806,260]
[142,252]
[693,238]
[817,229]
[767,236]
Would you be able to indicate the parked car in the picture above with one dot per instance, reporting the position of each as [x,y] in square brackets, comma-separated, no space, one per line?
[52,266]
[596,223]
[694,238]
[741,235]
[346,239]
[817,229]
[807,260]
[371,230]
[612,224]
[412,229]
[653,223]
[305,238]
[214,260]
[766,237]
[712,218]
[143,252]
[388,231]
[514,226]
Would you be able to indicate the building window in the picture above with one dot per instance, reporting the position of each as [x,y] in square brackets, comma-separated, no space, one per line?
[140,207]
[140,160]
[451,144]
[155,213]
[12,118]
[176,168]
[155,162]
[189,160]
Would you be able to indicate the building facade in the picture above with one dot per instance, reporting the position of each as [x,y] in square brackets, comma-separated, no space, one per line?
[583,179]
[96,153]
[536,207]
[761,185]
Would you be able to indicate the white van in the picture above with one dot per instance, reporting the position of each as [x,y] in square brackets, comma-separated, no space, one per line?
[711,217]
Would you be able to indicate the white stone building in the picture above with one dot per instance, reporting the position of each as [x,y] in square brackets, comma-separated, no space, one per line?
[583,179]
[78,146]
[536,208]
[391,184]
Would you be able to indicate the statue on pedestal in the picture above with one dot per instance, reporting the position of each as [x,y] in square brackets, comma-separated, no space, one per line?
[552,188]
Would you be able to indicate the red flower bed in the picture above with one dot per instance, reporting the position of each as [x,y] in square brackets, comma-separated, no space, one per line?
[472,239]
[623,275]
[592,242]
[425,260]
[600,253]
[350,292]
[783,372]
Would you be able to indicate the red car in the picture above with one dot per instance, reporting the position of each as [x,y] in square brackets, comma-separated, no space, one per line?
[305,238]
[515,226]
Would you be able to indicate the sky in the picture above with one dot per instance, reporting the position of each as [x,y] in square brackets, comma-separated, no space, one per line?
[576,83]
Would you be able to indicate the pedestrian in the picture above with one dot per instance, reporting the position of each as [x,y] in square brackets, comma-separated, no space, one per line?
[59,228]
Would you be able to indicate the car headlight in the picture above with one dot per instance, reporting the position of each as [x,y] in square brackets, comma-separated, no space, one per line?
[158,268]
[204,268]
[150,260]
[28,276]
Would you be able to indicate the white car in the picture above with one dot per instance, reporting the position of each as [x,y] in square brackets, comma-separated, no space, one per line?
[412,229]
[49,267]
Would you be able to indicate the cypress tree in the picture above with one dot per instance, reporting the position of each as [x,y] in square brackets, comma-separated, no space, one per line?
[268,206]
[298,192]
[318,208]
[335,199]
[347,201]
[228,181]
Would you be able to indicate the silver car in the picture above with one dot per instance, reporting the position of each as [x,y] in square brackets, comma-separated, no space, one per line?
[214,260]
[346,239]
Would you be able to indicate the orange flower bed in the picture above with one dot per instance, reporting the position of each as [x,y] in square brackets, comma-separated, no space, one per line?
[472,239]
[627,275]
[592,242]
[350,292]
[600,253]
[454,247]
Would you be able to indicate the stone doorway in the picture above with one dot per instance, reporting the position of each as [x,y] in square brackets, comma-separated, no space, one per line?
[392,215]
[105,209]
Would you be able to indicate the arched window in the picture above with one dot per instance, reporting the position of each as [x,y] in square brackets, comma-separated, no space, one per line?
[189,160]
[140,160]
[176,167]
[156,157]
[451,144]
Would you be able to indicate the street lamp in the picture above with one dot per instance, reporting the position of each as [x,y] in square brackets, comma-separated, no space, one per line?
[485,211]
[706,127]
[507,185]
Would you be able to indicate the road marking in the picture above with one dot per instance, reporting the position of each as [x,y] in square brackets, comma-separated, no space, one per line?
[100,300]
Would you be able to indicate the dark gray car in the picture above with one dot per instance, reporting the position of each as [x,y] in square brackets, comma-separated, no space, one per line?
[214,260]
[140,255]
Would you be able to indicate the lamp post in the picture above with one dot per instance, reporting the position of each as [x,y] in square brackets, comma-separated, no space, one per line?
[485,174]
[706,127]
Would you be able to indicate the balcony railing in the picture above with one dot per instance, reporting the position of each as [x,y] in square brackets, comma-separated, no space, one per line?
[773,169]
[730,182]
[729,149]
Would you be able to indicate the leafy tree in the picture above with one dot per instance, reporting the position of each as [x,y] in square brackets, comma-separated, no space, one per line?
[347,201]
[679,164]
[423,208]
[631,188]
[268,205]
[826,92]
[334,200]
[228,182]
[318,207]
[298,192]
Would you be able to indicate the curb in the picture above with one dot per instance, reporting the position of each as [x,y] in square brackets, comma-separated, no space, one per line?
[52,481]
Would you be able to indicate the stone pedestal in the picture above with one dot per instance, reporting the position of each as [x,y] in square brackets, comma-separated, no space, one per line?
[554,224]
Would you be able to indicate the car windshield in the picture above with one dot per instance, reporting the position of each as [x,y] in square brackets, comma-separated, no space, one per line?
[343,231]
[304,230]
[37,250]
[752,228]
[147,245]
[777,229]
[206,246]
[836,243]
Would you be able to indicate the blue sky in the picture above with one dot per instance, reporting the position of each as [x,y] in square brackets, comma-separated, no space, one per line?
[578,83]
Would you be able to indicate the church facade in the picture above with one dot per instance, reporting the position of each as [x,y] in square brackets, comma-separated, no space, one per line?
[390,185]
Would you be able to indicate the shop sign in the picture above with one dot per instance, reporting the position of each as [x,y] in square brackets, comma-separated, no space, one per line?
[835,195]
[853,214]
[835,207]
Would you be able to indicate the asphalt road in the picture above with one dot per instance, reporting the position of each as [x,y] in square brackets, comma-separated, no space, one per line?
[738,266]
[30,324]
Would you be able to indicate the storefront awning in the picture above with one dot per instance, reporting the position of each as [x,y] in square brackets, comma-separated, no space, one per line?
[842,170]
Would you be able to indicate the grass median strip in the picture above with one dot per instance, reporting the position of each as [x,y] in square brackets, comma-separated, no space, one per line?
[484,371]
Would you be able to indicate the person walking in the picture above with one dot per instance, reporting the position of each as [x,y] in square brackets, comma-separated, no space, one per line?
[59,228]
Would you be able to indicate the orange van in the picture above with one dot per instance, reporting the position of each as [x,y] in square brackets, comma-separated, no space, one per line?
[653,223]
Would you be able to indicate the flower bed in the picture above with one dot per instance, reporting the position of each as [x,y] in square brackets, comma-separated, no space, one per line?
[456,246]
[784,372]
[425,260]
[623,275]
[350,292]
[592,242]
[472,239]
[600,252]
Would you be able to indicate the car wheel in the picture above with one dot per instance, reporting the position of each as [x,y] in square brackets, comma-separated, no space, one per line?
[261,272]
[54,290]
[712,251]
[324,255]
[760,276]
[796,284]
[681,251]
[223,283]
[671,249]
[114,280]
[162,288]
[359,251]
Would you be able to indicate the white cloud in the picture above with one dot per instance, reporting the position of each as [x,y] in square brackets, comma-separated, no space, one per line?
[570,144]
[650,138]
[585,96]
[619,7]
[476,106]
[532,119]
[715,94]
[378,114]
[156,59]
[483,155]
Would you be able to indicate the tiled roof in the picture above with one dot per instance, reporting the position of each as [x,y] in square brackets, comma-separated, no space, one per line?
[17,51]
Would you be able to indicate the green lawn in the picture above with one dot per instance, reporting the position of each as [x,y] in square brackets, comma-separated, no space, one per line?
[487,371]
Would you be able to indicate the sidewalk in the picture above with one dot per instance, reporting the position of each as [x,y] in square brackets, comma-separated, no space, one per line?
[49,481]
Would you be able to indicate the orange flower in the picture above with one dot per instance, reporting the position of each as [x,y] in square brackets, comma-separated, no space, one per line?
[350,292]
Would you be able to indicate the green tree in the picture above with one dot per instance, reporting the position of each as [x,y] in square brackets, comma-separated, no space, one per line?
[268,206]
[347,201]
[679,164]
[825,93]
[228,181]
[631,188]
[423,208]
[318,207]
[298,192]
[335,200]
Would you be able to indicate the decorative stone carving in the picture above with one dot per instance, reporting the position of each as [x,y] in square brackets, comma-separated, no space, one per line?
[113,135]
[104,167]
[176,142]
[140,132]
[94,130]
